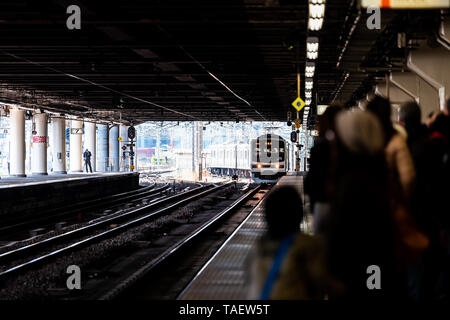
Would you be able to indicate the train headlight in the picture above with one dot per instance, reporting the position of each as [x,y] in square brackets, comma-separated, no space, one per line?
[259,166]
[278,166]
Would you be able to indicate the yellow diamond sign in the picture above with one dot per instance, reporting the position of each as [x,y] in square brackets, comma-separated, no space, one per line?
[298,104]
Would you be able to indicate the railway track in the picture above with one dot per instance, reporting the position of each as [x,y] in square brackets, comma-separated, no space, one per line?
[172,270]
[14,232]
[13,226]
[33,255]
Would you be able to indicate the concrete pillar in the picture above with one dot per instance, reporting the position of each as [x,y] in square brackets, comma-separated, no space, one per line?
[39,148]
[76,134]
[17,143]
[425,95]
[90,142]
[102,147]
[58,142]
[432,65]
[124,161]
[114,148]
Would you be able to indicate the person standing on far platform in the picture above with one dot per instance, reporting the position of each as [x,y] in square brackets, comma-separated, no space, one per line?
[87,160]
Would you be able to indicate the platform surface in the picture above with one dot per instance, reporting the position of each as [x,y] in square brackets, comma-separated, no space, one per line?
[10,181]
[41,193]
[225,275]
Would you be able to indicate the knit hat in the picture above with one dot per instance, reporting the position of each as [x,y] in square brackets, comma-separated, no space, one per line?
[360,132]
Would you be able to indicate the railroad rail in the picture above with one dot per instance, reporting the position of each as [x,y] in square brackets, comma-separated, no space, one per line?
[74,238]
[180,247]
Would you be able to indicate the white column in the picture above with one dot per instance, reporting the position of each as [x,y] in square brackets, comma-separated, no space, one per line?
[17,143]
[39,148]
[76,131]
[90,142]
[58,142]
[114,148]
[102,145]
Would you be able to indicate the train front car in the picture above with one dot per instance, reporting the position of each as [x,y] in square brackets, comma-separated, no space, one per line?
[269,158]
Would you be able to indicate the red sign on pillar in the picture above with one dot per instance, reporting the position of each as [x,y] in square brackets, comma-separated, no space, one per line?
[39,139]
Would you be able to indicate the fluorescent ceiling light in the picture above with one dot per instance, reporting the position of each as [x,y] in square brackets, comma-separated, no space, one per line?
[312,55]
[312,46]
[310,67]
[315,24]
[316,10]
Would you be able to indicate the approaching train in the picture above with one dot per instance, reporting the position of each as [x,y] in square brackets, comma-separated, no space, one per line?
[267,157]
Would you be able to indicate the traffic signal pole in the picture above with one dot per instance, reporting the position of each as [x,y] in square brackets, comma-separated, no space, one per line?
[131,136]
[131,156]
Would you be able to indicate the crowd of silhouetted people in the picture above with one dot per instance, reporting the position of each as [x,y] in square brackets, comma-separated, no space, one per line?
[377,190]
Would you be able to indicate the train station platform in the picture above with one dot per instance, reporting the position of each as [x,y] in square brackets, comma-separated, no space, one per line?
[30,194]
[225,275]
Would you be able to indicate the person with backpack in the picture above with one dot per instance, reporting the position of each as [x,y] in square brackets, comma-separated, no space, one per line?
[286,264]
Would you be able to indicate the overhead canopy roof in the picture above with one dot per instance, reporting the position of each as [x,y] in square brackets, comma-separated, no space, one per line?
[177,60]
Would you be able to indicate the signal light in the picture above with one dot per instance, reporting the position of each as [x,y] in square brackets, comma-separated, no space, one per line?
[131,132]
[293,136]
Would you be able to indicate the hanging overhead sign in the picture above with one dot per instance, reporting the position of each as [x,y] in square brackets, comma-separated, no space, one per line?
[406,4]
[76,131]
[298,104]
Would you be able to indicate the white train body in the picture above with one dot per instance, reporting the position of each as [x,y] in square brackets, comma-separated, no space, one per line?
[229,159]
[265,158]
